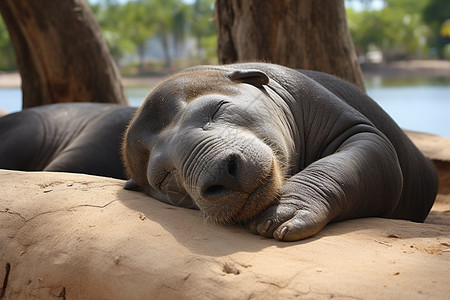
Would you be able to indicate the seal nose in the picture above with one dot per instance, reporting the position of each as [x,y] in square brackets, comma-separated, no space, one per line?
[223,179]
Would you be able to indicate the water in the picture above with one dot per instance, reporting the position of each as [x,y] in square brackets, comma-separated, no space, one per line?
[419,104]
[137,95]
[420,108]
[11,99]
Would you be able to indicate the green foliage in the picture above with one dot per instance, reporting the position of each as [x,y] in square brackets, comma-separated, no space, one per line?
[435,13]
[398,29]
[203,27]
[7,57]
[127,26]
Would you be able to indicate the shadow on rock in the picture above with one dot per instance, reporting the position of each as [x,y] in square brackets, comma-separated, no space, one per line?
[203,237]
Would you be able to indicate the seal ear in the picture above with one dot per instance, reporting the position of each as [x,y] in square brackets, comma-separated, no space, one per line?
[254,77]
[132,185]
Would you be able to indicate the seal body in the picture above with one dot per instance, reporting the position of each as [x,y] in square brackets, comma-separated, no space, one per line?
[73,137]
[284,151]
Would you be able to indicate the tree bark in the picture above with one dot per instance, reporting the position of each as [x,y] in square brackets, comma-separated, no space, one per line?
[61,54]
[307,34]
[165,44]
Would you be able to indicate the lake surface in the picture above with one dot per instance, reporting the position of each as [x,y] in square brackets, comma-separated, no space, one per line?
[424,106]
[415,104]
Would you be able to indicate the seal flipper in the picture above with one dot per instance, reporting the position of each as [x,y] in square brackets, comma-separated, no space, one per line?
[254,77]
[336,187]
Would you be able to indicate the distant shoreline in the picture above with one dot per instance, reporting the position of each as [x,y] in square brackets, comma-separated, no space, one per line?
[410,68]
[13,80]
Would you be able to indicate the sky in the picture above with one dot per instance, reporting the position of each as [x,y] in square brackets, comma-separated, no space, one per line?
[355,4]
[358,6]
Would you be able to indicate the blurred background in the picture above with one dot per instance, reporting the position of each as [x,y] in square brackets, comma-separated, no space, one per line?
[403,47]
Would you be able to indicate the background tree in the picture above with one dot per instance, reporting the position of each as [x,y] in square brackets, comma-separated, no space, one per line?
[170,18]
[60,52]
[7,57]
[396,29]
[115,22]
[202,25]
[308,34]
[435,13]
[136,24]
[128,26]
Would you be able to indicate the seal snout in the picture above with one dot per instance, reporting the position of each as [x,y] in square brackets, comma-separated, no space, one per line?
[224,179]
[236,185]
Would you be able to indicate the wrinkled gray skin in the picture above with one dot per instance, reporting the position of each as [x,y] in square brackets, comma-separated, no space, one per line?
[73,137]
[281,150]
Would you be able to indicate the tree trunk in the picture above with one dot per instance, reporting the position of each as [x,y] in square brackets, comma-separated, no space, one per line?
[307,34]
[141,52]
[165,45]
[61,54]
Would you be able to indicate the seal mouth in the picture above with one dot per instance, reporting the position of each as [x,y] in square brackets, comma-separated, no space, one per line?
[263,196]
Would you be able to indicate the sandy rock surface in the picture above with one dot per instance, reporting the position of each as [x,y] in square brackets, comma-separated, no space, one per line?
[72,236]
[437,149]
[432,146]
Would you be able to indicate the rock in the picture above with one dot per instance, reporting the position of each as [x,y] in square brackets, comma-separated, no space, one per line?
[74,236]
[437,149]
[434,147]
